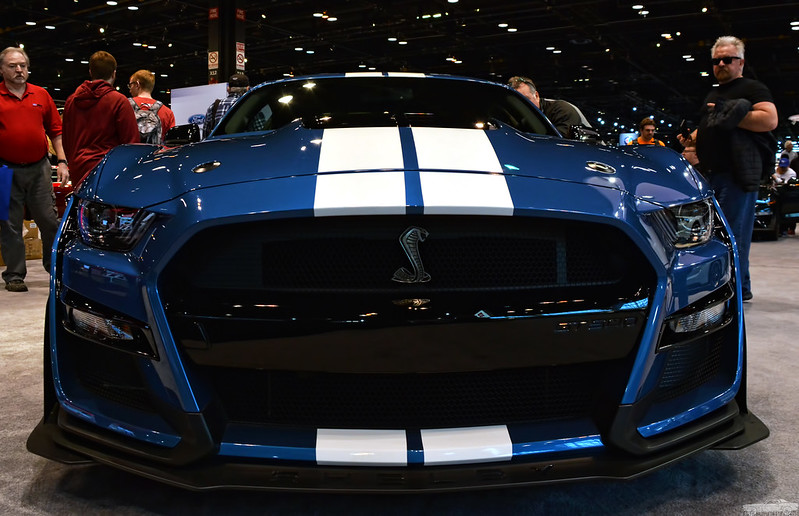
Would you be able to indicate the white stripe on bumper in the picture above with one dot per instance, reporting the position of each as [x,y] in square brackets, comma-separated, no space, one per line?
[466,445]
[365,447]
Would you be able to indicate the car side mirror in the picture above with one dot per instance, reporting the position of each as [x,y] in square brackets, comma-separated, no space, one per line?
[182,134]
[585,134]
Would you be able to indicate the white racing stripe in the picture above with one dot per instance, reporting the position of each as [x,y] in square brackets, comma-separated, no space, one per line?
[452,193]
[364,447]
[360,193]
[454,149]
[360,148]
[459,193]
[466,445]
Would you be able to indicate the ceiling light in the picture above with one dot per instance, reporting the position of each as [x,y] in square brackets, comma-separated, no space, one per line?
[795,23]
[286,99]
[392,39]
[102,30]
[133,8]
[150,46]
[309,51]
[512,29]
[111,2]
[557,51]
[502,25]
[84,62]
[164,75]
[299,49]
[437,15]
[30,23]
[69,60]
[402,42]
[452,1]
[643,13]
[332,18]
[361,65]
[550,48]
[263,16]
[317,15]
[704,9]
[51,27]
[137,44]
[638,6]
[795,27]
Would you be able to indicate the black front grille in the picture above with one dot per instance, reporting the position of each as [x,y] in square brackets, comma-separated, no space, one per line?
[360,254]
[414,400]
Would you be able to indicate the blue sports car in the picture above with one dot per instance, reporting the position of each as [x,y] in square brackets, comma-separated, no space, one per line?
[392,282]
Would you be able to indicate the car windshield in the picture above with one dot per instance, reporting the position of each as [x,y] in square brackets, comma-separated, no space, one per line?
[382,102]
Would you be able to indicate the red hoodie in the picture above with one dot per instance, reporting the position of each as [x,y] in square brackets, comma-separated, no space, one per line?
[97,118]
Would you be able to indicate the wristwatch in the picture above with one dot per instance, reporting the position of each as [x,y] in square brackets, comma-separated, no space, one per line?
[62,161]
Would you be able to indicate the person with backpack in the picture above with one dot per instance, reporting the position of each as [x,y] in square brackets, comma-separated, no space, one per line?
[153,117]
[97,118]
[237,85]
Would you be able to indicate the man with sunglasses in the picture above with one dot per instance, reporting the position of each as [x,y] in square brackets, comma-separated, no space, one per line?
[734,144]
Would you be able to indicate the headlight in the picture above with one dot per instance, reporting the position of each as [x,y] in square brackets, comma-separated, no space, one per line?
[694,223]
[112,227]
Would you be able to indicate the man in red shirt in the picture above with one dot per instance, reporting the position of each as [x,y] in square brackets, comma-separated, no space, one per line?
[97,118]
[27,116]
[141,87]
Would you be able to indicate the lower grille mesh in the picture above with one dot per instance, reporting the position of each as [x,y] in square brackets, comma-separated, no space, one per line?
[409,401]
[691,365]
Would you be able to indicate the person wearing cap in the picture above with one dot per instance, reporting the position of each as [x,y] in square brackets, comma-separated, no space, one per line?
[783,173]
[141,86]
[562,114]
[237,85]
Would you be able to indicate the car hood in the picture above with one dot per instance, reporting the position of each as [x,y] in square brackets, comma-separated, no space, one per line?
[143,175]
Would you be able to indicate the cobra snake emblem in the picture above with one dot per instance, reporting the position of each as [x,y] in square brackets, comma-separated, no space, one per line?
[409,240]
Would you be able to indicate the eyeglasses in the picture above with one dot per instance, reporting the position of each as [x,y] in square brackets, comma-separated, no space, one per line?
[132,84]
[515,82]
[727,60]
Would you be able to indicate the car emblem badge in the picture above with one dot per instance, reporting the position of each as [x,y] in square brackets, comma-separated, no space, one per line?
[409,240]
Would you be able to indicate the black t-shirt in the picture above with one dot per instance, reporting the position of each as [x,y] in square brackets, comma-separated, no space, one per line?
[561,114]
[741,88]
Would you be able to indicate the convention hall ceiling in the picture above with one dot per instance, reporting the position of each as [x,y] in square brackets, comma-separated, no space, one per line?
[618,60]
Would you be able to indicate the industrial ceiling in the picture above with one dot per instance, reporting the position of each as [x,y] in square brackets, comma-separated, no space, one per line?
[618,60]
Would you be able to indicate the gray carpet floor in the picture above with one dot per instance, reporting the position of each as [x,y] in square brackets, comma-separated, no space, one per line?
[761,479]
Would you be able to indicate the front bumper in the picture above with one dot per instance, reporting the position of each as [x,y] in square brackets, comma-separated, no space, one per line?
[62,438]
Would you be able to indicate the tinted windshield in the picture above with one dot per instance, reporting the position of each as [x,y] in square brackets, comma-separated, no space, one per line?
[382,101]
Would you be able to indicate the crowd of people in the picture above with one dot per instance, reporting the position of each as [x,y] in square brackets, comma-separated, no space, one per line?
[732,147]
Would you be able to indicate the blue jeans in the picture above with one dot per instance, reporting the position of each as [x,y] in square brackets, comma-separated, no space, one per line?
[739,209]
[31,186]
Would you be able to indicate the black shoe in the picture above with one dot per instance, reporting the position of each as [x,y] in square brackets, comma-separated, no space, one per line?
[747,296]
[16,285]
